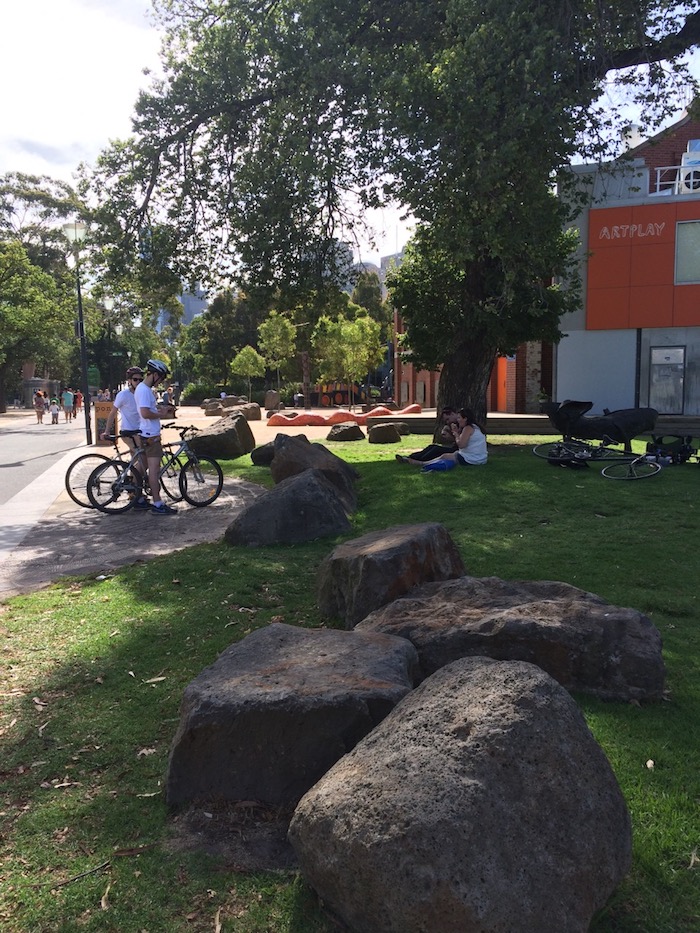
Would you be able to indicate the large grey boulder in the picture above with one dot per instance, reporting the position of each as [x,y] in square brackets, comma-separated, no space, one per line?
[384,434]
[277,710]
[263,455]
[346,431]
[295,454]
[301,508]
[370,571]
[250,410]
[227,439]
[584,642]
[481,804]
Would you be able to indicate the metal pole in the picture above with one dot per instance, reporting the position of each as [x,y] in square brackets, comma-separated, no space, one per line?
[85,389]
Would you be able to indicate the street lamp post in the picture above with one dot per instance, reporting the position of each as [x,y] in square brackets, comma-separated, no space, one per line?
[74,233]
[108,306]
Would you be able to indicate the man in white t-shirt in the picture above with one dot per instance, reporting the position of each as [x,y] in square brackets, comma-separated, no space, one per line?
[125,404]
[149,422]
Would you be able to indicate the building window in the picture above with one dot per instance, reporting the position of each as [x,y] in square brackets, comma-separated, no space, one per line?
[688,252]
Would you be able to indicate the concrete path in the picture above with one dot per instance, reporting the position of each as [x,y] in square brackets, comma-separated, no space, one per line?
[44,535]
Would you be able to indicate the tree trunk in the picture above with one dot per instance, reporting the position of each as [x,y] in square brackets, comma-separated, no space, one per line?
[464,379]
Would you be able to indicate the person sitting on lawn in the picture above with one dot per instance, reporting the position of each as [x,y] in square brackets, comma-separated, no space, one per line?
[471,445]
[432,451]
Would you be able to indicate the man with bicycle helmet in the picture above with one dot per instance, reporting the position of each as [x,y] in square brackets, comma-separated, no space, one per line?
[150,414]
[125,404]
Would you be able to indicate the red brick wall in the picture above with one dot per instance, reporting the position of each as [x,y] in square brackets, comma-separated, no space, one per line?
[667,148]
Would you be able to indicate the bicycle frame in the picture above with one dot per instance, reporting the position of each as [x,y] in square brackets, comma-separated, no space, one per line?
[178,461]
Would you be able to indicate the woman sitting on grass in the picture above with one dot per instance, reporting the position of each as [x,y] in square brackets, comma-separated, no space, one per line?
[471,445]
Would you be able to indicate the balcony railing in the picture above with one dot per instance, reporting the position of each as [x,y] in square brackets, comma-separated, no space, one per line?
[677,180]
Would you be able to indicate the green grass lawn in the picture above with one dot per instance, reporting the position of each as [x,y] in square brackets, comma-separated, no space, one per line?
[93,673]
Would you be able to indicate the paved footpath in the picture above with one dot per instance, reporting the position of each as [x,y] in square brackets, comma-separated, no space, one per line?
[44,535]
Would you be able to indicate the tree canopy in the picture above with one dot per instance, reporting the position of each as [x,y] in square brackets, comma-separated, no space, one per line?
[276,125]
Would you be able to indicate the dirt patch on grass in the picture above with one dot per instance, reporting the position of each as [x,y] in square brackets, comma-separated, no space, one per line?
[247,836]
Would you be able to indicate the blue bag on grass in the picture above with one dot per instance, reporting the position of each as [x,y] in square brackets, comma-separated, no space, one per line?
[439,465]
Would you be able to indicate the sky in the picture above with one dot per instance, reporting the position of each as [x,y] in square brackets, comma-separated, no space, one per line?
[70,76]
[70,73]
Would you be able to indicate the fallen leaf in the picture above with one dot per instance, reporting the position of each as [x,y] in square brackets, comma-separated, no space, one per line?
[104,902]
[146,751]
[175,580]
[131,674]
[217,921]
[694,860]
[650,764]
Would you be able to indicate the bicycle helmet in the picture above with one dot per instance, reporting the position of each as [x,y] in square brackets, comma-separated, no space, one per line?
[158,367]
[134,371]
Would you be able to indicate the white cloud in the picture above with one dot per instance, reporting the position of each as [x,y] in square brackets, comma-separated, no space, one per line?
[70,77]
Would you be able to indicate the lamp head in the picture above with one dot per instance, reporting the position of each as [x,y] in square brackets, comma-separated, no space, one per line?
[74,231]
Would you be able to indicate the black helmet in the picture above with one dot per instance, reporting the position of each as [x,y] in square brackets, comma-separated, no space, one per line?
[159,367]
[134,371]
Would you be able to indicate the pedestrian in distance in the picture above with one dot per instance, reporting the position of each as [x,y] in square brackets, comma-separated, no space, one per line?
[54,409]
[150,414]
[67,402]
[39,406]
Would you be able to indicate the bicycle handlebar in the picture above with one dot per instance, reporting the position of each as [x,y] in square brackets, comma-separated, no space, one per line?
[181,430]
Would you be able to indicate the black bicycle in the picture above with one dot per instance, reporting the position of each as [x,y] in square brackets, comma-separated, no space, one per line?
[80,471]
[567,450]
[621,465]
[116,486]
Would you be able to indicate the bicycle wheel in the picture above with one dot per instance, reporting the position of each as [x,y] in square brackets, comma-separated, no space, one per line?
[78,474]
[170,469]
[201,481]
[631,469]
[562,450]
[113,490]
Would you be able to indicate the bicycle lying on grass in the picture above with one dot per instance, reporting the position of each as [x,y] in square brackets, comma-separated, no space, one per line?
[577,454]
[116,486]
[660,452]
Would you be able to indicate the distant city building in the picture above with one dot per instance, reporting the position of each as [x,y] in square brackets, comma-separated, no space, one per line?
[193,303]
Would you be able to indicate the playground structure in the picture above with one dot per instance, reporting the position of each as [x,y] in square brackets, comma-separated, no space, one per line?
[281,419]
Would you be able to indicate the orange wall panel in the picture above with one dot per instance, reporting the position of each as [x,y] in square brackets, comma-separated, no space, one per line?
[652,264]
[631,268]
[653,223]
[686,306]
[688,210]
[651,306]
[611,268]
[608,308]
